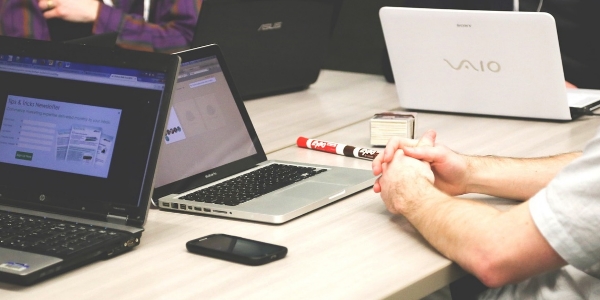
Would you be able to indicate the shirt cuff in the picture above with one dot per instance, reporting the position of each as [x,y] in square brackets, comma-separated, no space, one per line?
[109,20]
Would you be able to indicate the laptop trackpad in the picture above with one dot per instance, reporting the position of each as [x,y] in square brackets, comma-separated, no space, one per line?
[314,190]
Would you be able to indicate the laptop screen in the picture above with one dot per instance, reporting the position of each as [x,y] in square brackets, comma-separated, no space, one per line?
[75,134]
[204,123]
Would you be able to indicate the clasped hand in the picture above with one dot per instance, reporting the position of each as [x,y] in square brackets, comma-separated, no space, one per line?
[412,170]
[79,11]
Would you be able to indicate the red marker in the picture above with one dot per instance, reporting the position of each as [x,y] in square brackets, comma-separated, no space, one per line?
[336,148]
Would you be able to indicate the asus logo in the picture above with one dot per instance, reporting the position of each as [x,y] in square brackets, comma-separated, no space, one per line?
[210,175]
[491,66]
[270,26]
[463,25]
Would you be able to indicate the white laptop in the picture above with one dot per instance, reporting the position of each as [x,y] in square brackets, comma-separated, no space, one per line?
[481,62]
[210,144]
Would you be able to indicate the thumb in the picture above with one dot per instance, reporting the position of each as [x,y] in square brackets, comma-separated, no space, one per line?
[428,139]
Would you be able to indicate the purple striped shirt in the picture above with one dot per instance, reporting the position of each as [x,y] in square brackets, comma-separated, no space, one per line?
[170,27]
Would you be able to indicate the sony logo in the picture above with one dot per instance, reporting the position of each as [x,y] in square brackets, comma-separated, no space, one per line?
[463,25]
[480,66]
[270,26]
[210,175]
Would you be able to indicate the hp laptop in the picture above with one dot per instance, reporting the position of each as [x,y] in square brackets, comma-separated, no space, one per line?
[481,62]
[212,163]
[271,46]
[81,129]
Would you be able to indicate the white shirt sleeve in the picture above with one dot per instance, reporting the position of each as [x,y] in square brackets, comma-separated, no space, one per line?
[567,211]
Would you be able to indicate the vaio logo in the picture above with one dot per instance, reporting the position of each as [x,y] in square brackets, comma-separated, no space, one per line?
[491,66]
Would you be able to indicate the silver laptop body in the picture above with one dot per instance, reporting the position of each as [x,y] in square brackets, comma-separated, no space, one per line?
[480,62]
[210,139]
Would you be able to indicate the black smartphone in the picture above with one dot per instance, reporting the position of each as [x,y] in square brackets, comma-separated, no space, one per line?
[236,249]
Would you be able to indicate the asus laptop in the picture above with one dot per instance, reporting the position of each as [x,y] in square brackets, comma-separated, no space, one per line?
[212,163]
[271,46]
[481,62]
[81,129]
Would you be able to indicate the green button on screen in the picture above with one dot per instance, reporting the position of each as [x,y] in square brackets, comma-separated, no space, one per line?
[24,155]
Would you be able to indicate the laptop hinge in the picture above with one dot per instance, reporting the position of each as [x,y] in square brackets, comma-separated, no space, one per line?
[116,219]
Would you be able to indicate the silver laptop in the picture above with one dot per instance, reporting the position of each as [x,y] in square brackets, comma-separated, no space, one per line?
[481,62]
[210,145]
[81,130]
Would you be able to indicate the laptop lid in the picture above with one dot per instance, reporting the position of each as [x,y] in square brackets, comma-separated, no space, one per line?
[479,62]
[271,46]
[81,128]
[207,119]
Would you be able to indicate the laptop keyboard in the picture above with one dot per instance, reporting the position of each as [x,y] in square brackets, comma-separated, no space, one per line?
[50,236]
[253,184]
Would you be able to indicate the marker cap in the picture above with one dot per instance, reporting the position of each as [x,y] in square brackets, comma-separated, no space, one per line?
[301,142]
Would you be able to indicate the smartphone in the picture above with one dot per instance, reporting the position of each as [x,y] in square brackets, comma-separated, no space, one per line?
[236,249]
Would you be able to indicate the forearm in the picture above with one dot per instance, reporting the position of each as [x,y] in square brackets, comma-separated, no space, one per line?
[513,178]
[497,247]
[171,30]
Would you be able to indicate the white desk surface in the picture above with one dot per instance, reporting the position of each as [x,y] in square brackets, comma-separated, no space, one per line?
[351,249]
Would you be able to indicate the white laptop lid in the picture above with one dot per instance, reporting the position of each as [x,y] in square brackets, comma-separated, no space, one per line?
[480,62]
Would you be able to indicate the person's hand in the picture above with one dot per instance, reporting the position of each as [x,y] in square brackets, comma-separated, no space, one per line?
[80,11]
[451,169]
[393,146]
[387,155]
[570,85]
[404,182]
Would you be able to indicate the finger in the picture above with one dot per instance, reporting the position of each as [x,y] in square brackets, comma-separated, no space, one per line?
[394,144]
[46,4]
[391,147]
[377,186]
[428,154]
[428,139]
[50,14]
[376,165]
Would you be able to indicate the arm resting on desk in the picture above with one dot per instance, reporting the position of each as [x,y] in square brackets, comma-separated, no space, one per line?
[513,178]
[457,174]
[498,247]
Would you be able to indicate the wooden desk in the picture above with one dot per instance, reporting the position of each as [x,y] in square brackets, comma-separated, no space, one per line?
[352,249]
[336,100]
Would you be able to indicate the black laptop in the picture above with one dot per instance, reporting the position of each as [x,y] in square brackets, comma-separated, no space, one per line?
[80,132]
[271,46]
